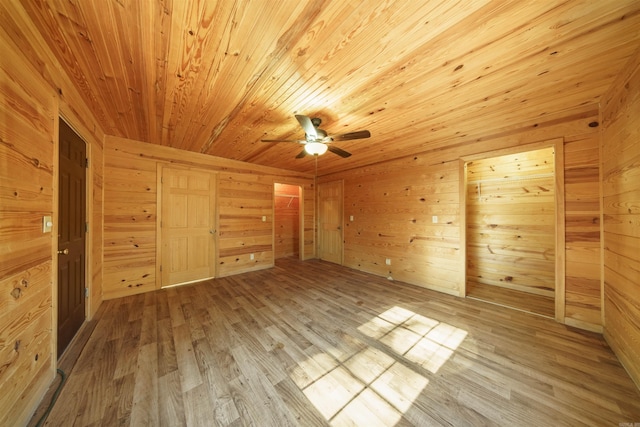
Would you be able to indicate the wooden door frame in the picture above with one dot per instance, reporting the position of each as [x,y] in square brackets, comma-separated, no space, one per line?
[317,227]
[300,217]
[216,218]
[88,237]
[560,248]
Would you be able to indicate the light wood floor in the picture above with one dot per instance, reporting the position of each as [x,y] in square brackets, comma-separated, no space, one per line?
[312,344]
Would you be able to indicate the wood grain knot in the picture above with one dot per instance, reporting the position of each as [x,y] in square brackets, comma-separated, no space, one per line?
[16,292]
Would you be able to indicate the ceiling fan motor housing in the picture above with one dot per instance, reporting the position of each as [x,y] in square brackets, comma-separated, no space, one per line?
[317,140]
[321,134]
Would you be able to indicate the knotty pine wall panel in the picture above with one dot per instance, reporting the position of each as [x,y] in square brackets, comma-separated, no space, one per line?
[582,232]
[244,197]
[511,222]
[393,219]
[33,93]
[27,124]
[243,201]
[621,211]
[309,219]
[287,220]
[130,199]
[393,203]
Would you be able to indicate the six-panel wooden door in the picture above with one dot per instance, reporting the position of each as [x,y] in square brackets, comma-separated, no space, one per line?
[188,225]
[330,244]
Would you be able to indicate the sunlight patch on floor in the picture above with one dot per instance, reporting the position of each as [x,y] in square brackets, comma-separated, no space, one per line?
[373,387]
[422,340]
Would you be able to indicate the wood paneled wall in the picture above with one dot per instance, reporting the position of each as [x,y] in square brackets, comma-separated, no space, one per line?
[621,211]
[243,201]
[582,232]
[393,203]
[287,219]
[27,268]
[511,222]
[392,207]
[33,94]
[244,197]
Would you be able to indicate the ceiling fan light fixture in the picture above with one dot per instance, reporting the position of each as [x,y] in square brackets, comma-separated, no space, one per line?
[315,148]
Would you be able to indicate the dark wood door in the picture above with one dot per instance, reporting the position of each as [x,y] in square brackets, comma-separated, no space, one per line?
[71,235]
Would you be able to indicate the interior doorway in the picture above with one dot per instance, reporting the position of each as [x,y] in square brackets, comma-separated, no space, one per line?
[187,226]
[330,204]
[511,226]
[288,222]
[72,202]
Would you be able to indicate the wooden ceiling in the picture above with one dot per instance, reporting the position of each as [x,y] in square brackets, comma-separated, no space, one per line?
[216,77]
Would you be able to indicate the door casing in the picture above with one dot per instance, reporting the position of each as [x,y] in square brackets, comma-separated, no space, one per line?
[558,145]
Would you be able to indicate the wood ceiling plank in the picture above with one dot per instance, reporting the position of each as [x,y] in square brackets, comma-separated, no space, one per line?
[216,77]
[273,55]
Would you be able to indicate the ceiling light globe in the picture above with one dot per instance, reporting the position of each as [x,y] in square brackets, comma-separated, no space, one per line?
[315,148]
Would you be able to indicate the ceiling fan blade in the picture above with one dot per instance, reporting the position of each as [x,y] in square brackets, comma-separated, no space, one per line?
[352,135]
[301,154]
[283,140]
[339,151]
[308,127]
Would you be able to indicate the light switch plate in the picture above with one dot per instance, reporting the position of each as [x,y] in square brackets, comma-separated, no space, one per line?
[47,224]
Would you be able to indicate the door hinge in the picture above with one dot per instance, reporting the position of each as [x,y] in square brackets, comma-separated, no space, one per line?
[160,268]
[86,292]
[86,162]
[86,227]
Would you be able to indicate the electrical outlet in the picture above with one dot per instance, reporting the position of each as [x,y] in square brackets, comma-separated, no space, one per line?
[264,218]
[388,261]
[434,219]
[251,257]
[350,217]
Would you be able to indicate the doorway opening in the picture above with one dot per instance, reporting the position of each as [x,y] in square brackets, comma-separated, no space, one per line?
[511,218]
[287,210]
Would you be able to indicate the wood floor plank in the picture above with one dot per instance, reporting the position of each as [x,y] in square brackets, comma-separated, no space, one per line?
[145,392]
[314,344]
[171,400]
[187,365]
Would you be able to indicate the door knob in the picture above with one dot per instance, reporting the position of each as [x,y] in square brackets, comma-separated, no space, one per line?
[212,231]
[64,252]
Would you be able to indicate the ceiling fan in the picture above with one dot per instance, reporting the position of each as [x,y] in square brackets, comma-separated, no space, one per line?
[317,142]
